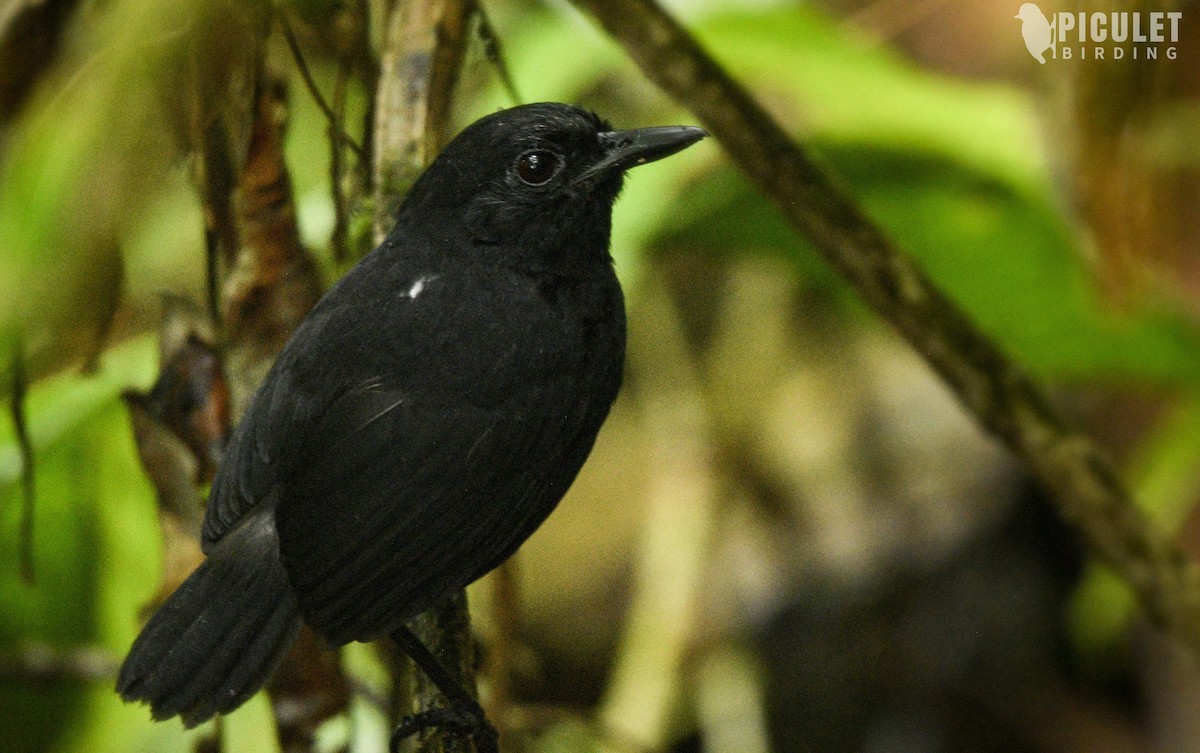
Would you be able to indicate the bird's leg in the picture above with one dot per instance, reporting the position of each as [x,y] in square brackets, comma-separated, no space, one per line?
[464,715]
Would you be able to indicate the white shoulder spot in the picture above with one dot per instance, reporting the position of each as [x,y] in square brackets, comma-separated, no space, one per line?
[418,286]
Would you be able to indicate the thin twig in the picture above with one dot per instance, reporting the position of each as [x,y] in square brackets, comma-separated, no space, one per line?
[311,84]
[25,444]
[341,212]
[40,663]
[495,54]
[1079,476]
[212,276]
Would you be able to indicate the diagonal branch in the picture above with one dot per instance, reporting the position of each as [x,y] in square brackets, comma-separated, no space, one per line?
[1002,396]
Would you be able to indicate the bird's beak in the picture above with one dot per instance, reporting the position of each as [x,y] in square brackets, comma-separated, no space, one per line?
[626,149]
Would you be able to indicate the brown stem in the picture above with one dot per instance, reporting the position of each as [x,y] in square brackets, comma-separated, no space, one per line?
[424,44]
[423,52]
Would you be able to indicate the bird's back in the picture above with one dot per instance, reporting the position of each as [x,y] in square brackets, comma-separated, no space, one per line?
[456,422]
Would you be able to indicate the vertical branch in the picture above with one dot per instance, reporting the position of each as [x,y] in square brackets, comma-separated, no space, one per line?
[423,52]
[25,444]
[212,275]
[337,169]
[274,281]
[424,45]
[446,632]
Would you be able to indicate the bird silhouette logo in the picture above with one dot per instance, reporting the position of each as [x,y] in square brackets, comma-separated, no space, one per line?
[1036,29]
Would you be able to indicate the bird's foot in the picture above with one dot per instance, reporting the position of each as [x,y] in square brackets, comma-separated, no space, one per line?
[460,720]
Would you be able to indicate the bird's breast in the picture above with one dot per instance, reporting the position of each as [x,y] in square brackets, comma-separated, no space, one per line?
[498,335]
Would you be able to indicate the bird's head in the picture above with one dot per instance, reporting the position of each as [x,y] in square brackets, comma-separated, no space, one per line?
[537,179]
[1029,12]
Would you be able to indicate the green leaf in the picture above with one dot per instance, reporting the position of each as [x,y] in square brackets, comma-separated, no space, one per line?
[96,549]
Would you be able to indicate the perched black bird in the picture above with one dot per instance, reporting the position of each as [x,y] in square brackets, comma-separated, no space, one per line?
[424,418]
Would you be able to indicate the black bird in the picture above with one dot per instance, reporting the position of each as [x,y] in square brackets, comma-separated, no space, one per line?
[422,421]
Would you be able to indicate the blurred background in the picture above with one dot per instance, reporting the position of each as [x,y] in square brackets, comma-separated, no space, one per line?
[789,537]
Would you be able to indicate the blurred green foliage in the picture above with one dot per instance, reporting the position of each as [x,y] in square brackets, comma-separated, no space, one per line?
[95,544]
[958,174]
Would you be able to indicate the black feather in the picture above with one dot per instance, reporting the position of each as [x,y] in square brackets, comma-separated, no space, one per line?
[217,639]
[423,419]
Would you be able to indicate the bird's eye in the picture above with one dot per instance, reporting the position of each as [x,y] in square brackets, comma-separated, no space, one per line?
[537,167]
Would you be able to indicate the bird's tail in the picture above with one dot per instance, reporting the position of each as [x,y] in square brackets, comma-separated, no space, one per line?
[217,639]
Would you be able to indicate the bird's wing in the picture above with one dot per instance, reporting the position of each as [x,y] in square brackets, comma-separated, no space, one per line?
[293,395]
[406,495]
[334,349]
[413,454]
[245,476]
